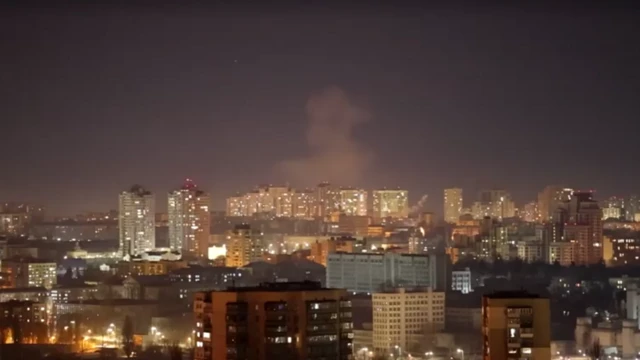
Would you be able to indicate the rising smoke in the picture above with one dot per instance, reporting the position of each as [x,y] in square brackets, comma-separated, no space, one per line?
[419,205]
[335,155]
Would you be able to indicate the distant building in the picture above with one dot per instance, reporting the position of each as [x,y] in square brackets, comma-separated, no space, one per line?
[189,220]
[296,321]
[389,203]
[368,273]
[244,246]
[403,318]
[530,251]
[353,202]
[625,251]
[452,205]
[24,319]
[321,249]
[34,294]
[550,198]
[580,221]
[355,225]
[461,281]
[516,325]
[136,221]
[66,293]
[30,272]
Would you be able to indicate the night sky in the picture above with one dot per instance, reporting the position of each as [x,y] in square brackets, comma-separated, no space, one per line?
[95,99]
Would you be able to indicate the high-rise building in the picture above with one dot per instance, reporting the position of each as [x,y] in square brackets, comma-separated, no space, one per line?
[516,325]
[580,220]
[496,204]
[303,204]
[244,246]
[390,203]
[632,207]
[136,221]
[236,206]
[292,321]
[452,205]
[189,220]
[403,318]
[353,201]
[550,198]
[530,212]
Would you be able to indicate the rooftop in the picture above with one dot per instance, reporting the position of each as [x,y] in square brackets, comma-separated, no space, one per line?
[22,290]
[515,294]
[280,287]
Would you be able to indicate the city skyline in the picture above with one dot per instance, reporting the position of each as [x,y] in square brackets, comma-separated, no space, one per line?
[472,99]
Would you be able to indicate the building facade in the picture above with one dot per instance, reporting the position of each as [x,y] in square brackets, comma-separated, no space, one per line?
[244,246]
[274,321]
[390,204]
[516,325]
[369,273]
[189,220]
[136,221]
[403,318]
[452,205]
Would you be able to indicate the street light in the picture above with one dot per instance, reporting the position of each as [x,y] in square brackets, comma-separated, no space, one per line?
[461,352]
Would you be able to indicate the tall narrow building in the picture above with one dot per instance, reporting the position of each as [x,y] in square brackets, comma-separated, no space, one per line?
[581,219]
[452,205]
[189,220]
[390,203]
[136,221]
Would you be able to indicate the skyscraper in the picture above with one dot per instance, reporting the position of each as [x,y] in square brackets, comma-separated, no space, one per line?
[390,203]
[136,221]
[516,325]
[452,204]
[189,220]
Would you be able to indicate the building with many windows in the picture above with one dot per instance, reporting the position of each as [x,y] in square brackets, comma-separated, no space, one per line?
[403,318]
[390,203]
[136,221]
[353,202]
[189,220]
[452,205]
[30,272]
[244,246]
[274,321]
[516,325]
[369,273]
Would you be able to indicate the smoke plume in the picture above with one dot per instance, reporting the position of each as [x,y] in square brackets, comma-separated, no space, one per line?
[334,154]
[419,205]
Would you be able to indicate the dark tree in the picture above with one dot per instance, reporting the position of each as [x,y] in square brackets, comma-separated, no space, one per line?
[16,330]
[127,336]
[596,350]
[175,352]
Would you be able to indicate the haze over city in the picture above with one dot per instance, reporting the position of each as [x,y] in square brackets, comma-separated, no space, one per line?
[320,180]
[500,96]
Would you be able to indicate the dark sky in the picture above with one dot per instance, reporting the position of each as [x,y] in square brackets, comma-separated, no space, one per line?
[94,99]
